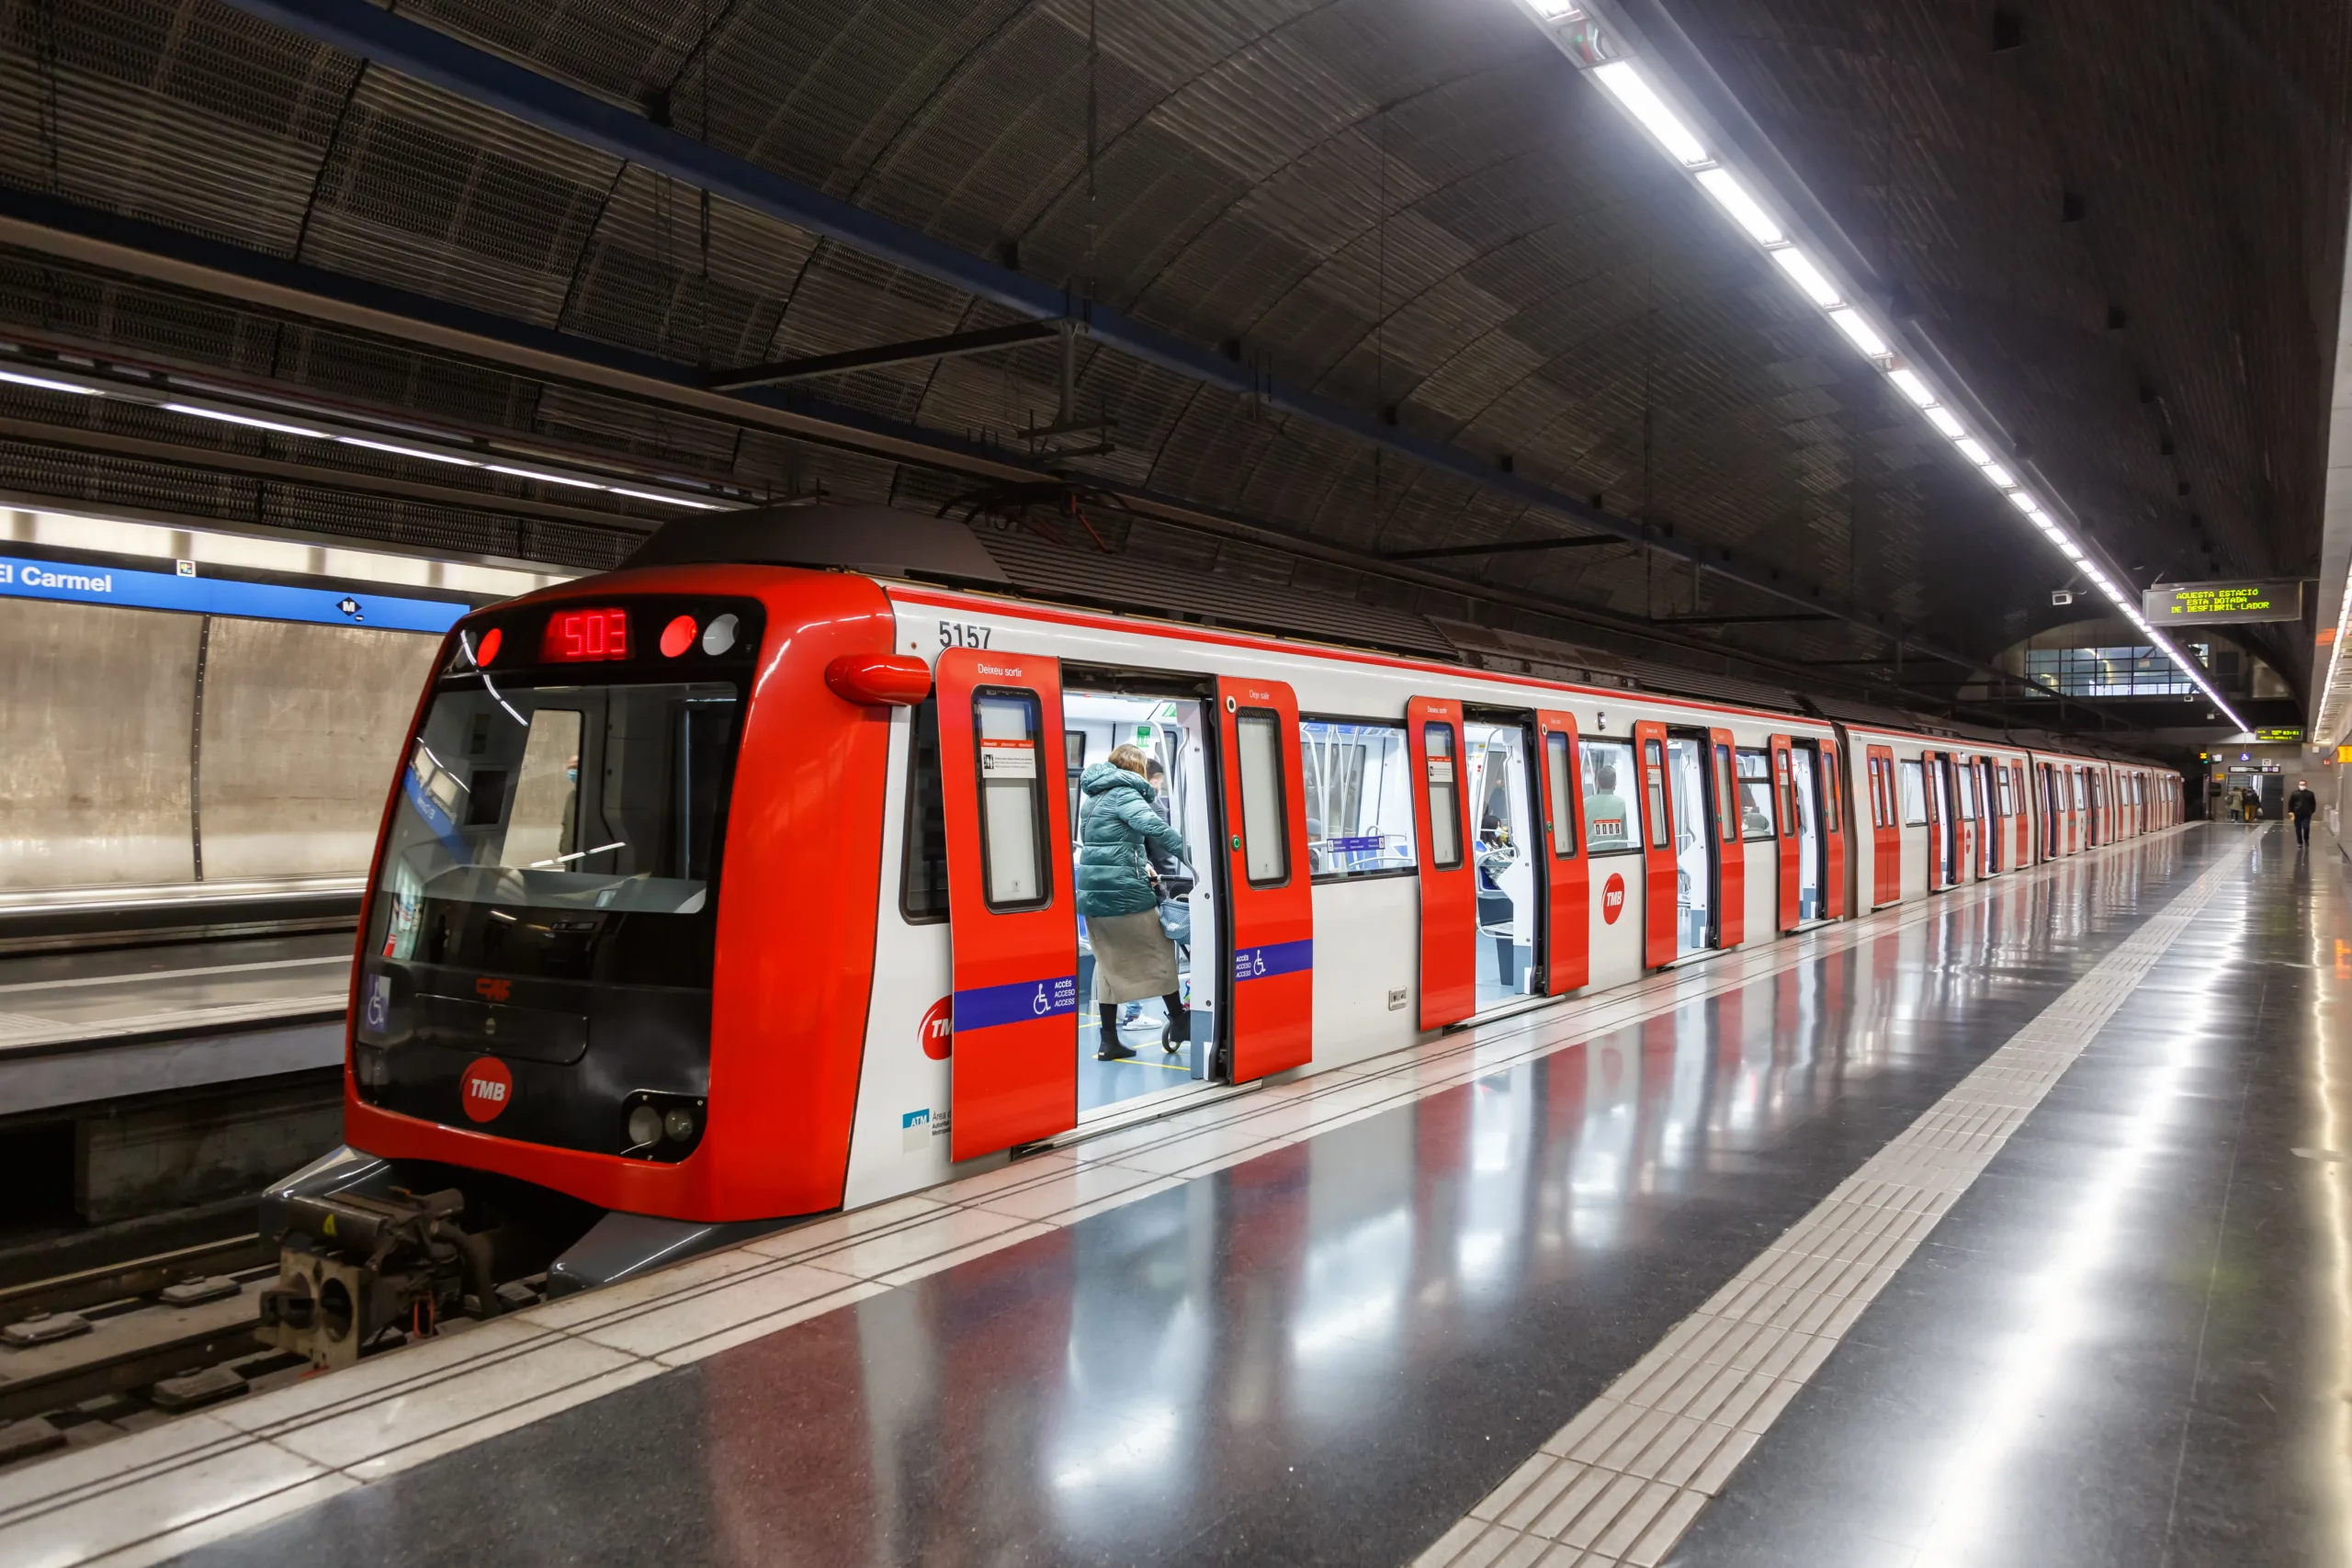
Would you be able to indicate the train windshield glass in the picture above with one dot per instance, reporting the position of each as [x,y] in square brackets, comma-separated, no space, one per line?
[533,824]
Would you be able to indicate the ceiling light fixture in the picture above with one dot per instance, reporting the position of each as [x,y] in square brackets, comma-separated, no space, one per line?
[1811,281]
[543,476]
[1907,381]
[419,452]
[225,417]
[1597,45]
[44,384]
[1744,209]
[1641,100]
[1860,333]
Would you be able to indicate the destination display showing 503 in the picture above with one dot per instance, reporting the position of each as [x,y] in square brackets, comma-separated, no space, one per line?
[2213,604]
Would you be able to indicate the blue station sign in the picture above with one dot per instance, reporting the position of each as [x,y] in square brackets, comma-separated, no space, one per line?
[86,584]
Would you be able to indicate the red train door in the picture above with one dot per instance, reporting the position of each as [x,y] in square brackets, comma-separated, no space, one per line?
[1957,815]
[1731,879]
[1449,890]
[1784,797]
[2021,804]
[1660,908]
[1833,833]
[1012,923]
[1270,1014]
[1930,763]
[1886,828]
[1567,914]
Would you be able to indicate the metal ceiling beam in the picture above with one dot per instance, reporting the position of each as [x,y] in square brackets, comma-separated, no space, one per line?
[1506,547]
[1739,620]
[176,258]
[441,60]
[213,459]
[955,345]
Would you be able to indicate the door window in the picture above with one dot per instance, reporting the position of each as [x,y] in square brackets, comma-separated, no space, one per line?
[1012,804]
[1608,768]
[1653,767]
[1359,798]
[1559,767]
[1726,808]
[1445,809]
[1265,830]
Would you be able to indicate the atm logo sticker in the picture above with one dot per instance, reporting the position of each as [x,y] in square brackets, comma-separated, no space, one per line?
[486,1089]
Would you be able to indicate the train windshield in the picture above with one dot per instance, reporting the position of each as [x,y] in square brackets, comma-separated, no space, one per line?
[563,830]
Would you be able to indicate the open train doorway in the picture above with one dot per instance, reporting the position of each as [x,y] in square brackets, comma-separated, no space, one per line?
[1806,777]
[1500,753]
[1942,827]
[1138,767]
[1690,799]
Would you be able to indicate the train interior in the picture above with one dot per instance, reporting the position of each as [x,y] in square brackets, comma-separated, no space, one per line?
[1167,730]
[1804,771]
[1502,803]
[1688,799]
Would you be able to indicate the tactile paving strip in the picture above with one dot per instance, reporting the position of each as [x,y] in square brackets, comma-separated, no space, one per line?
[1617,1486]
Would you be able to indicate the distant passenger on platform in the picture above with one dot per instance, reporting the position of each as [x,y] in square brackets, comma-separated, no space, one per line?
[2300,806]
[1134,957]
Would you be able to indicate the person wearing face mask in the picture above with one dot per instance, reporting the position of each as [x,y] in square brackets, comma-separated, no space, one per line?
[2300,806]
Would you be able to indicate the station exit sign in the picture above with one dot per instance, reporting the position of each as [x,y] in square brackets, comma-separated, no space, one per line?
[2215,603]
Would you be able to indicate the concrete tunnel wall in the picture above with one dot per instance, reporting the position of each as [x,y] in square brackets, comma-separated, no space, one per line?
[107,778]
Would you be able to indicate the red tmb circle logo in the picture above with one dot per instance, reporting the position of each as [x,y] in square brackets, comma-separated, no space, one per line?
[937,1031]
[485,1088]
[1613,898]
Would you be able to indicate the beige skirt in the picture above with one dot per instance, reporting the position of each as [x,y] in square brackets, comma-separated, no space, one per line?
[1133,957]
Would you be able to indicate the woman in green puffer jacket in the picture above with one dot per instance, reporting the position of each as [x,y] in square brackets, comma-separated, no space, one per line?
[1133,957]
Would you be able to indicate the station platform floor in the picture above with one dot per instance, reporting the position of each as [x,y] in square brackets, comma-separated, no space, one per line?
[2011,1227]
[117,1023]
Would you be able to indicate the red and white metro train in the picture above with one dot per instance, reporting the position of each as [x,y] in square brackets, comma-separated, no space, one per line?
[713,891]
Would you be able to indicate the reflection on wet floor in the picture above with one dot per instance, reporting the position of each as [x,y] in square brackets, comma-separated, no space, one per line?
[1326,1353]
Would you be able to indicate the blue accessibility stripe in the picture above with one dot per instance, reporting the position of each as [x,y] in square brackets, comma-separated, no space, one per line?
[984,1007]
[23,579]
[1274,958]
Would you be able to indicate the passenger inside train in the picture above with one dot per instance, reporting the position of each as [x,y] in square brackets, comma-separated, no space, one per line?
[1129,1049]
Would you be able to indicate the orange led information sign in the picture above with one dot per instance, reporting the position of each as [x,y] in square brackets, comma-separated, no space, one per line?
[2213,604]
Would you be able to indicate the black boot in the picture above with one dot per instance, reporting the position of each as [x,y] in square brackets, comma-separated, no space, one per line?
[1178,1033]
[1110,1050]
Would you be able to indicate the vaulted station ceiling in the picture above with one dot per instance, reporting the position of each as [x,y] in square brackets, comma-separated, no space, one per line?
[1370,280]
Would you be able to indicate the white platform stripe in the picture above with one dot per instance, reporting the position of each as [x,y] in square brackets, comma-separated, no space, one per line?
[1620,1484]
[235,1466]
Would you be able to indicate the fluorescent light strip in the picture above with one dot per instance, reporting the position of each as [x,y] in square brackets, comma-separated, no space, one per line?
[225,417]
[666,499]
[1811,281]
[543,476]
[1638,99]
[418,452]
[1860,333]
[1744,208]
[1641,100]
[1907,381]
[44,384]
